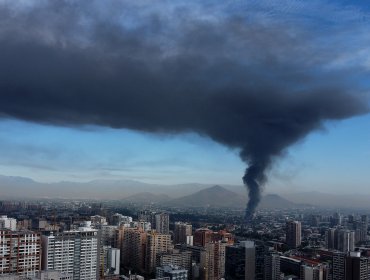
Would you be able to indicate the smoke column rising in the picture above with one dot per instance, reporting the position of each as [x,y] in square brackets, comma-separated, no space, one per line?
[246,79]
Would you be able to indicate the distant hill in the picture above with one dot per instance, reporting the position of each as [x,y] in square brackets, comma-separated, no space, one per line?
[218,196]
[274,201]
[185,194]
[147,198]
[214,196]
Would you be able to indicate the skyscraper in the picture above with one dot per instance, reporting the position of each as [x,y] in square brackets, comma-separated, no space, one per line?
[357,267]
[235,262]
[293,234]
[73,252]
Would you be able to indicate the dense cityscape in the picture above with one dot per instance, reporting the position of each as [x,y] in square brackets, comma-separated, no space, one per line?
[184,140]
[82,239]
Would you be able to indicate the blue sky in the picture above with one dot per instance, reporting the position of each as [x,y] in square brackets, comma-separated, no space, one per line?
[334,159]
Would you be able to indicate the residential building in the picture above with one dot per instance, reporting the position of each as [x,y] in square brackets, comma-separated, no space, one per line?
[73,252]
[20,253]
[8,223]
[172,272]
[182,233]
[293,234]
[156,243]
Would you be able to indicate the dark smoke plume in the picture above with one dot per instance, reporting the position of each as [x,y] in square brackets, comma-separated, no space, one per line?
[249,82]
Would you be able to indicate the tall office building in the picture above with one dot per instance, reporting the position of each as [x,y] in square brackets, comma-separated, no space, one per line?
[235,262]
[182,233]
[74,252]
[357,267]
[250,260]
[156,243]
[20,253]
[162,223]
[272,267]
[338,266]
[8,223]
[293,234]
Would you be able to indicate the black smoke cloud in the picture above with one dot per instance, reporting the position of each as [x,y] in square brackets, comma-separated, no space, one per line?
[246,84]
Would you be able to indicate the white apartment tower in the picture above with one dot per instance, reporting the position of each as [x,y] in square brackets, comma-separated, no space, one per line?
[72,252]
[8,223]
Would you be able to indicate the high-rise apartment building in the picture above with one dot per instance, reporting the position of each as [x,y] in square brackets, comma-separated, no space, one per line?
[20,253]
[202,236]
[108,235]
[74,252]
[293,234]
[110,261]
[213,260]
[156,243]
[272,267]
[182,233]
[133,248]
[181,258]
[346,240]
[330,239]
[362,228]
[162,223]
[118,219]
[8,223]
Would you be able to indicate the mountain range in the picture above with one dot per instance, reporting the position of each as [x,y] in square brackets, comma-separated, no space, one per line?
[182,194]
